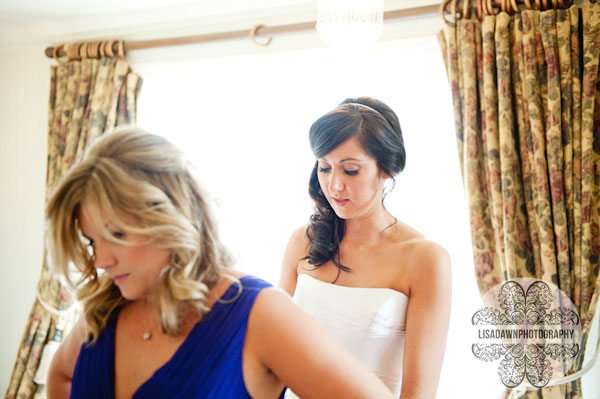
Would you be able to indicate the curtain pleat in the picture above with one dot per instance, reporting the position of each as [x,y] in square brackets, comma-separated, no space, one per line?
[516,245]
[526,97]
[87,98]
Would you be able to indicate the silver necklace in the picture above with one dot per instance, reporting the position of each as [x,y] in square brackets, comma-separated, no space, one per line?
[148,333]
[390,225]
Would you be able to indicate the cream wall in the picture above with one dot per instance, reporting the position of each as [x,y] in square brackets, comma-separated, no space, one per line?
[23,110]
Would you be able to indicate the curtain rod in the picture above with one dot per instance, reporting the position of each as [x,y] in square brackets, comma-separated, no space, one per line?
[422,11]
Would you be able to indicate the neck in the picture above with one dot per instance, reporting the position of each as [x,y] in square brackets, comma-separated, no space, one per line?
[369,229]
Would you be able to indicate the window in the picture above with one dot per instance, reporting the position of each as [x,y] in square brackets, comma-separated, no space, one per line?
[244,120]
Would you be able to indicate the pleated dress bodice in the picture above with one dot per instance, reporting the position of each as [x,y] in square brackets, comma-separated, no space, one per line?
[368,322]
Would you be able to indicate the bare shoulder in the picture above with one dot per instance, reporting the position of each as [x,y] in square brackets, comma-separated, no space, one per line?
[428,252]
[299,242]
[428,264]
[274,311]
[415,251]
[230,274]
[419,262]
[296,250]
[270,303]
[274,315]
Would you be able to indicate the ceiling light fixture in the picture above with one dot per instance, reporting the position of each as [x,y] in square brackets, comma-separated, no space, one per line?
[350,25]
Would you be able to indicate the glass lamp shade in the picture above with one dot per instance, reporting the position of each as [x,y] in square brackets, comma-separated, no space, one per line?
[350,25]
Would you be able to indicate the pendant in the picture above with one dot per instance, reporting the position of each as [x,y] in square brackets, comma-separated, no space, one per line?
[147,335]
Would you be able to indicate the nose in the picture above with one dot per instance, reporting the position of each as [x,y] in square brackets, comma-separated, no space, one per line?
[336,182]
[103,256]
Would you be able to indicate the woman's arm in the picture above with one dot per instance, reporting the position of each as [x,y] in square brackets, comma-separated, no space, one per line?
[296,250]
[62,366]
[427,319]
[300,353]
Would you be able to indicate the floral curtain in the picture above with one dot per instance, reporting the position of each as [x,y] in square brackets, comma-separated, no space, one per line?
[87,97]
[526,96]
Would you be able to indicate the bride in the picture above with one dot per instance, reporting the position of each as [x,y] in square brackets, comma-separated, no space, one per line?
[375,283]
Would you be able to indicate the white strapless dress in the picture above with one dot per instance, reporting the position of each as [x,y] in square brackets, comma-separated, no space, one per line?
[369,322]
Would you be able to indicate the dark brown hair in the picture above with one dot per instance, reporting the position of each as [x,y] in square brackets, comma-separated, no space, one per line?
[377,129]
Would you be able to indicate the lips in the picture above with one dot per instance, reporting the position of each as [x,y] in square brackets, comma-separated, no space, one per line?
[119,278]
[340,202]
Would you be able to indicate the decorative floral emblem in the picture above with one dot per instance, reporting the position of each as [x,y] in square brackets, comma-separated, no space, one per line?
[539,331]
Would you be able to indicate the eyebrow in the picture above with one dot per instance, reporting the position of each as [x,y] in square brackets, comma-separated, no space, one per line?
[343,160]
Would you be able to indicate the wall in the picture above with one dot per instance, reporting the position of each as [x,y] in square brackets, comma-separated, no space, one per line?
[23,120]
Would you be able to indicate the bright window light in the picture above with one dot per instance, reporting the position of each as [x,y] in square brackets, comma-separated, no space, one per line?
[244,121]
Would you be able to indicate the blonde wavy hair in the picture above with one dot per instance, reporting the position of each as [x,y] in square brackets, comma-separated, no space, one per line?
[132,172]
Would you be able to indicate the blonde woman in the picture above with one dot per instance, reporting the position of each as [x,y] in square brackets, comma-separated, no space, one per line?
[374,282]
[164,314]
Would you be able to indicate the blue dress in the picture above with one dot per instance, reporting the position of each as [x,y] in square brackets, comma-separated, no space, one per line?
[208,364]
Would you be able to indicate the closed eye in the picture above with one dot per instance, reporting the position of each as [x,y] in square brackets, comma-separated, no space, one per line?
[118,235]
[324,170]
[351,172]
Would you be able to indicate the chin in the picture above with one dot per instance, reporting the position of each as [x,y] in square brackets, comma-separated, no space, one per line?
[342,215]
[130,296]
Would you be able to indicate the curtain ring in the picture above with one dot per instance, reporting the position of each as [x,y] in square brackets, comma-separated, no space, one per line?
[83,51]
[466,9]
[100,47]
[120,49]
[55,53]
[453,11]
[443,6]
[69,51]
[73,51]
[528,5]
[515,6]
[108,48]
[78,52]
[92,50]
[101,50]
[490,8]
[509,8]
[479,10]
[555,4]
[253,33]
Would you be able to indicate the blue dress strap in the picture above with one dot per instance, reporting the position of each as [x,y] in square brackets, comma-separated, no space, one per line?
[208,364]
[94,375]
